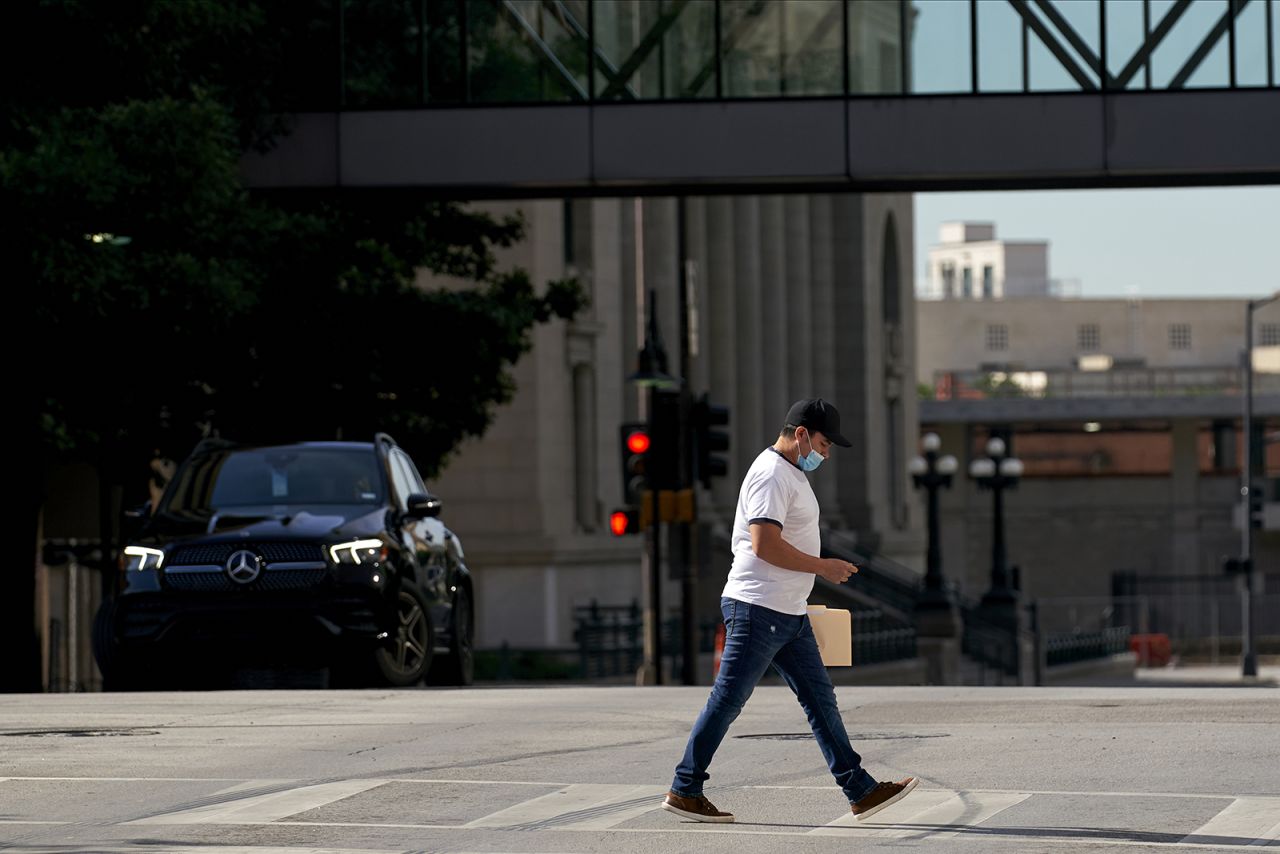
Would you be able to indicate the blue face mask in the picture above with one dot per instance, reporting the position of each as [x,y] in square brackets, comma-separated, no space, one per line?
[811,460]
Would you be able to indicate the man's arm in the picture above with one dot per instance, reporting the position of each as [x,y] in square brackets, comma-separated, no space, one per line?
[767,543]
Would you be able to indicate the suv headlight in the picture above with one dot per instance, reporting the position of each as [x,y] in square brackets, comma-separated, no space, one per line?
[140,558]
[359,552]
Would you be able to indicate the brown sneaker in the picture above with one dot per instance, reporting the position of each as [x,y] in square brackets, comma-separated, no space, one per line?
[881,796]
[698,809]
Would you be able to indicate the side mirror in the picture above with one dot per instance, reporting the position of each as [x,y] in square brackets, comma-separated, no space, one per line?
[424,505]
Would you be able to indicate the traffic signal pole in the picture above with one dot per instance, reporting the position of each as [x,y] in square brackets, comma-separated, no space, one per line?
[689,581]
[653,623]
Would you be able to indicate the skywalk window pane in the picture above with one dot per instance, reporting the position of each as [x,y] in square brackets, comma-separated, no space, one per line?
[308,36]
[520,50]
[999,47]
[809,46]
[1251,44]
[1125,37]
[381,53]
[875,47]
[1066,57]
[939,36]
[752,47]
[651,49]
[1173,63]
[1275,42]
[443,64]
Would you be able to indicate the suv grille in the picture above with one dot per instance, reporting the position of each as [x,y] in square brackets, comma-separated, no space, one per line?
[217,553]
[218,582]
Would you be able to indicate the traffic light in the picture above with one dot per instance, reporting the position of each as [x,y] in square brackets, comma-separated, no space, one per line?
[635,450]
[623,522]
[708,442]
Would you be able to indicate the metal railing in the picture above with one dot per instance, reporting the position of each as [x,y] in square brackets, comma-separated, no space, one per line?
[1070,647]
[1204,627]
[1022,382]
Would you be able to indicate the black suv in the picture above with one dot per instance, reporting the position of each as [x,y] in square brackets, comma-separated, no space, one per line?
[320,551]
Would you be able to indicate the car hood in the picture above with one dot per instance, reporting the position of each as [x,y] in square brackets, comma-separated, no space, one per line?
[329,523]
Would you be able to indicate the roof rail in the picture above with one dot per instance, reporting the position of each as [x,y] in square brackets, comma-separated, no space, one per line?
[212,443]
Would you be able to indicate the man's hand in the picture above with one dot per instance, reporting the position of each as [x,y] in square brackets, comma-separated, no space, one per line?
[837,571]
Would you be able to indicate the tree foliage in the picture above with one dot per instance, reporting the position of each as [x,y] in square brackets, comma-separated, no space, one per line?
[174,297]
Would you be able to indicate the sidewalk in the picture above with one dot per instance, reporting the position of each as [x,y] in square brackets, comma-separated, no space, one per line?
[1207,676]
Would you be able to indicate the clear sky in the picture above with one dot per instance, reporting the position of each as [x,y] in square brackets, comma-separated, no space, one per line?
[1202,242]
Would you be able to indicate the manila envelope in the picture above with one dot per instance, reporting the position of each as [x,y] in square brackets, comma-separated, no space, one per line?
[833,628]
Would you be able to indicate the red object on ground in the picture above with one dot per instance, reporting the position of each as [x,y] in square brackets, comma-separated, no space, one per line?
[1152,650]
[715,668]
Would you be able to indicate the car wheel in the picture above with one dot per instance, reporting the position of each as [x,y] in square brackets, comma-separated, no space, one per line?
[458,667]
[119,673]
[404,660]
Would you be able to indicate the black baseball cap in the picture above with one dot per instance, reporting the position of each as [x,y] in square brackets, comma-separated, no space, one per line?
[817,414]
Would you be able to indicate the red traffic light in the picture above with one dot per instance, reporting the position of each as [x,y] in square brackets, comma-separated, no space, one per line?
[619,520]
[638,442]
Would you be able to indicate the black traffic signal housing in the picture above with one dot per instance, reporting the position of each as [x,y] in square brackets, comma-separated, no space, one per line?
[663,465]
[635,445]
[708,442]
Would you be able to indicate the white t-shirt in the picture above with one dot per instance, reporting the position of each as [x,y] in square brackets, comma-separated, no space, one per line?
[775,491]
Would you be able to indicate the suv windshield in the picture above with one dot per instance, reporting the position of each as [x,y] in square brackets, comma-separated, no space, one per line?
[271,477]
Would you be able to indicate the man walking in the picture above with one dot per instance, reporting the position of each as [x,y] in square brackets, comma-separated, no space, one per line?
[775,559]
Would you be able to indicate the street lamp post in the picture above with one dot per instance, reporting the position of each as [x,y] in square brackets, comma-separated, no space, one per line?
[651,373]
[1249,654]
[932,472]
[997,472]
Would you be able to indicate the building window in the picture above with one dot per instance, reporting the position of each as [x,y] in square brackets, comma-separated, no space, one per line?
[967,282]
[988,281]
[1088,338]
[947,270]
[997,336]
[1179,336]
[1270,336]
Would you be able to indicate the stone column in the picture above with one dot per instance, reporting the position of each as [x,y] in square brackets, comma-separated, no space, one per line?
[852,358]
[799,308]
[774,327]
[722,338]
[748,419]
[822,359]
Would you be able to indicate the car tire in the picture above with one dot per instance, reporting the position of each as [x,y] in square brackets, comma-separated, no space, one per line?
[459,665]
[406,657]
[117,673]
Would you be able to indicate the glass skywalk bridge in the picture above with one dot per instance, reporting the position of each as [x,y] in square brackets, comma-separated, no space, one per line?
[510,97]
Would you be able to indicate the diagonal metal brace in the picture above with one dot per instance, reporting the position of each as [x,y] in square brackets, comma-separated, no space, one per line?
[1042,32]
[1152,42]
[1193,63]
[603,64]
[1082,47]
[548,54]
[646,46]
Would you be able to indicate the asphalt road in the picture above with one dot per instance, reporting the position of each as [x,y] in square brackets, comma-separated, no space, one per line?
[581,769]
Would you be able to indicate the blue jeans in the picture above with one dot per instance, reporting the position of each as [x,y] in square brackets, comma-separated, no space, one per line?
[756,637]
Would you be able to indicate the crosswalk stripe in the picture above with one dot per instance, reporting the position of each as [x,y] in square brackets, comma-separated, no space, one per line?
[230,849]
[265,808]
[925,811]
[1245,821]
[584,806]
